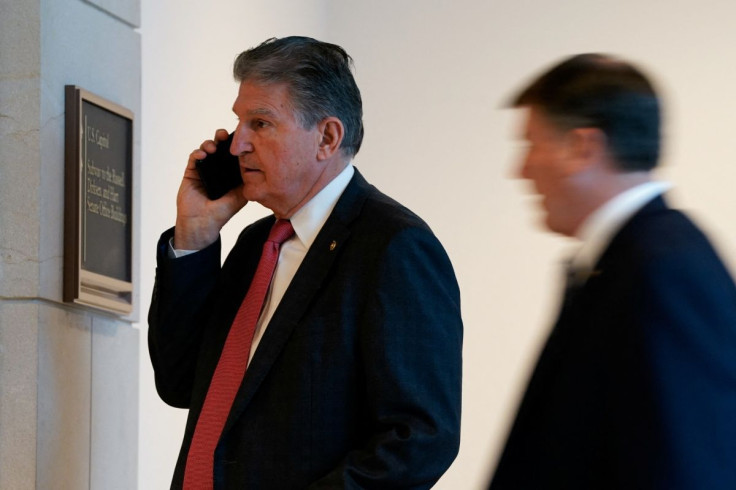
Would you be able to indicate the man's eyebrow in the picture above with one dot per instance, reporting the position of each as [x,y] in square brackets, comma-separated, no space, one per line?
[262,111]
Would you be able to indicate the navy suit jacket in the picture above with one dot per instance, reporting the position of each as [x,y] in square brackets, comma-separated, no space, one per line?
[636,386]
[356,382]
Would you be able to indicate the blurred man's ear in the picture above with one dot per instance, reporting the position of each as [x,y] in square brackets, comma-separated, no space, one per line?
[586,147]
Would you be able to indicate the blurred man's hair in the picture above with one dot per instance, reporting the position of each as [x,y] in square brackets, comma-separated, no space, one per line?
[319,79]
[599,91]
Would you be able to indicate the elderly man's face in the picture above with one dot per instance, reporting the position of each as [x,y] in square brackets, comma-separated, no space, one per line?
[547,165]
[278,157]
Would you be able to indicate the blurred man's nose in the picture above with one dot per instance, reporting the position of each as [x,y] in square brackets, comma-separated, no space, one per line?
[522,168]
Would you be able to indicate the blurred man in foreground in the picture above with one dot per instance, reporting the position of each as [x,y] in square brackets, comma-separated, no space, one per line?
[636,386]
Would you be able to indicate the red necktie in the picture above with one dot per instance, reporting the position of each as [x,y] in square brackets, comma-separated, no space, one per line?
[198,473]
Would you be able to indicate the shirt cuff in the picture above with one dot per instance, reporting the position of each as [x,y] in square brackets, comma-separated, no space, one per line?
[175,253]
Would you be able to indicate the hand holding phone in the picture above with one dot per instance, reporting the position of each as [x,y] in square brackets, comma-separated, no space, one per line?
[204,202]
[220,171]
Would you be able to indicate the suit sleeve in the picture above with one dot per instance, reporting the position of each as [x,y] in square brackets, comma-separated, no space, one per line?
[411,350]
[177,318]
[680,424]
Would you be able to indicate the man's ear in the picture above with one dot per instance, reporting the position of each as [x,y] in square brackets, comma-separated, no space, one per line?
[586,147]
[331,133]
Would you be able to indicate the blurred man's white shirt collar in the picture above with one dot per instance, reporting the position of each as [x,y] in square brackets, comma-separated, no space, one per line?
[599,228]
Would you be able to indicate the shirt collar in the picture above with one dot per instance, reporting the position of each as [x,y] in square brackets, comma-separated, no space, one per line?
[308,221]
[599,228]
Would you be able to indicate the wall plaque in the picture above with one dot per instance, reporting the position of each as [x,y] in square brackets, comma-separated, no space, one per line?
[98,242]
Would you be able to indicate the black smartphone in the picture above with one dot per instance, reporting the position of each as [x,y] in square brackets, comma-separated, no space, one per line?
[220,171]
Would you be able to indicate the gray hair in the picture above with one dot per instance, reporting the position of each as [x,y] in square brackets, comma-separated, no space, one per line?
[318,76]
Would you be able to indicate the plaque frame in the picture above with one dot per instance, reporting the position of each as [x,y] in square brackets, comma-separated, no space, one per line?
[82,284]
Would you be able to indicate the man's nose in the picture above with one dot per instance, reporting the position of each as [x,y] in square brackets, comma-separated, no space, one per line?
[521,170]
[241,140]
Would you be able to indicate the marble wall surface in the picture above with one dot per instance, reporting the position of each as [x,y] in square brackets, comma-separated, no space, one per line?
[68,375]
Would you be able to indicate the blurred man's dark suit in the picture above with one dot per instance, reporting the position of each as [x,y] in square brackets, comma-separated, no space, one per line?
[356,382]
[636,386]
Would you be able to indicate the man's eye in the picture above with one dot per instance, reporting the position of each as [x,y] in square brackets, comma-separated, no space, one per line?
[260,124]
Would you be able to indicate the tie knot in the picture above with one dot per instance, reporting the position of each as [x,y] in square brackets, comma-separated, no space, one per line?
[281,231]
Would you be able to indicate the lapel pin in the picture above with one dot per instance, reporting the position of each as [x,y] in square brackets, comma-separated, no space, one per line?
[333,245]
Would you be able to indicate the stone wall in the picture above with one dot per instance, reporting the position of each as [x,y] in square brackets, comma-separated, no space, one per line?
[68,374]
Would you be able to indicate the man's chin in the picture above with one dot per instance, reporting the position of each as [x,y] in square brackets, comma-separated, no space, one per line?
[557,227]
[249,193]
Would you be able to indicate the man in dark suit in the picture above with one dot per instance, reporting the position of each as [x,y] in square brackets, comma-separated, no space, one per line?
[636,386]
[354,373]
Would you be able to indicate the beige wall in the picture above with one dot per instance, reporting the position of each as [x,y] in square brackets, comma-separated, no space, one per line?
[434,75]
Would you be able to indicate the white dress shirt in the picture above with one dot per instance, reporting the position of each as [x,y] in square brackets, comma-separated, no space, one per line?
[600,227]
[307,223]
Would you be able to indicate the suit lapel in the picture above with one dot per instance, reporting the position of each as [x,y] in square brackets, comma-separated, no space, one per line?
[299,295]
[579,294]
[625,234]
